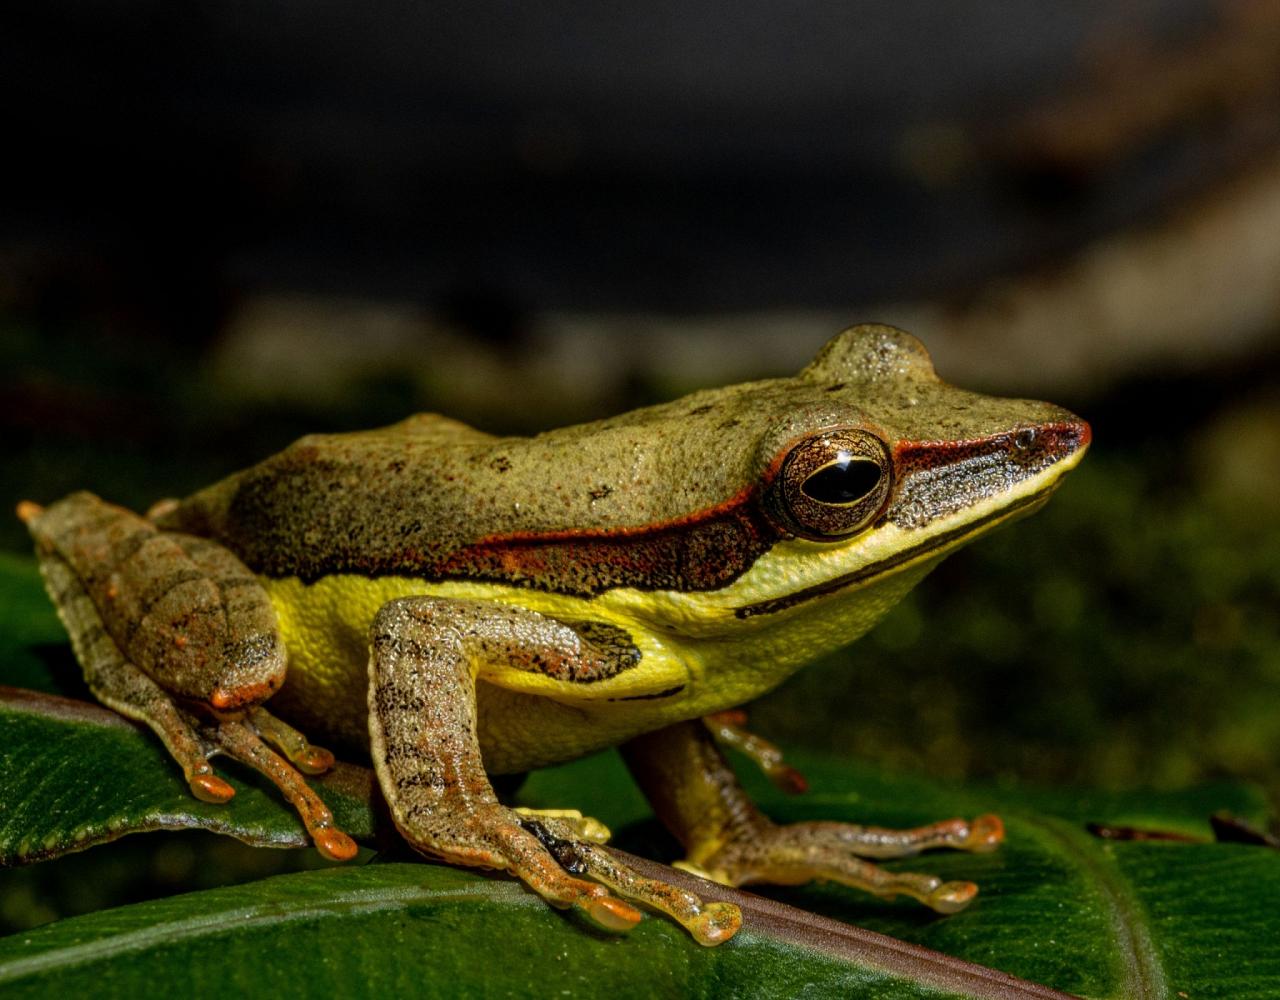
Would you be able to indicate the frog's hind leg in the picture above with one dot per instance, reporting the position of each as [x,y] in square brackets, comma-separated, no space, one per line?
[176,632]
[709,924]
[730,729]
[694,791]
[422,727]
[120,685]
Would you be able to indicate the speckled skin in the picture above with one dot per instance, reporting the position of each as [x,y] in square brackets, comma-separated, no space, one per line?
[460,604]
[670,497]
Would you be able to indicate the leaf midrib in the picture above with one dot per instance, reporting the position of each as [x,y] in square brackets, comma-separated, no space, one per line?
[1144,974]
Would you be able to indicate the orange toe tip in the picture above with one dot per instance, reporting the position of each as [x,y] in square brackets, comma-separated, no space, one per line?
[334,844]
[314,760]
[612,913]
[221,699]
[161,507]
[986,833]
[28,511]
[716,924]
[791,781]
[210,788]
[952,897]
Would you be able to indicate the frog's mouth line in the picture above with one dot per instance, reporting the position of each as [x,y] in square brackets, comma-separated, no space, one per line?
[948,539]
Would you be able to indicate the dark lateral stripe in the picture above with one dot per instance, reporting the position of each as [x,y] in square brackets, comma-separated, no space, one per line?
[883,566]
[703,555]
[704,551]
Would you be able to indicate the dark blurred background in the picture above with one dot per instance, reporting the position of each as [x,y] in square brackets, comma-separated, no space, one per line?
[224,225]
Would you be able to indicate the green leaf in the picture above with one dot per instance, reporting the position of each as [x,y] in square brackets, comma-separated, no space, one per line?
[425,930]
[1094,917]
[1059,906]
[63,803]
[33,644]
[74,775]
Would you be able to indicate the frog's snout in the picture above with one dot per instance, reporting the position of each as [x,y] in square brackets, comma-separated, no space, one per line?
[1072,440]
[1081,432]
[1049,443]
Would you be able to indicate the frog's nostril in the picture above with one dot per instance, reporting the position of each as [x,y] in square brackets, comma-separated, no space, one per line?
[1058,440]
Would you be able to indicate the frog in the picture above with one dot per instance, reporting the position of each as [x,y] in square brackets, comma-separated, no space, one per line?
[460,606]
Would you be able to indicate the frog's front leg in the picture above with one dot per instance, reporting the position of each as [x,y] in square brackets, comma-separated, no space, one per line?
[426,654]
[175,632]
[694,791]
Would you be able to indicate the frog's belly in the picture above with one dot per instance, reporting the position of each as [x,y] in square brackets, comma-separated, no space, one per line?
[325,626]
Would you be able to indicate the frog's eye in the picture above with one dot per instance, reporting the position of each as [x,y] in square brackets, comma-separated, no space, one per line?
[832,484]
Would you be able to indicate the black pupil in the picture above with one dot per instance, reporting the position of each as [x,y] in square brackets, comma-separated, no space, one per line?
[846,480]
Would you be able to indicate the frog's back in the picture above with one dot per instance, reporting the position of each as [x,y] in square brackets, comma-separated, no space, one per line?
[577,511]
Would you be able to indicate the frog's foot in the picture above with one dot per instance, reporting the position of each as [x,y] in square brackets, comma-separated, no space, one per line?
[802,852]
[121,685]
[709,923]
[305,756]
[582,827]
[695,792]
[239,740]
[28,511]
[556,852]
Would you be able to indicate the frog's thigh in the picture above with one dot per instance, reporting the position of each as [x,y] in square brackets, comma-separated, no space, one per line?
[153,615]
[425,653]
[694,791]
[122,686]
[182,609]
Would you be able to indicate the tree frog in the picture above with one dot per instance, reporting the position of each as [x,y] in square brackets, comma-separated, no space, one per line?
[461,605]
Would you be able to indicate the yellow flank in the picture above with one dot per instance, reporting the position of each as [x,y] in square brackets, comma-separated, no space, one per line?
[325,626]
[529,720]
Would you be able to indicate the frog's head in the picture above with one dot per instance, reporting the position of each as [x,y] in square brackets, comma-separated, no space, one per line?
[892,444]
[868,469]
